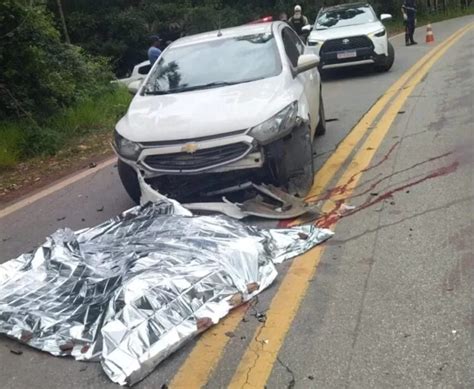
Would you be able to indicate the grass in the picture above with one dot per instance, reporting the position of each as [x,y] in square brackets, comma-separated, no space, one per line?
[22,140]
[10,139]
[93,114]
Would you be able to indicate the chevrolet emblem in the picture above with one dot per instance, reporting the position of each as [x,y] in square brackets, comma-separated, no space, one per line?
[190,148]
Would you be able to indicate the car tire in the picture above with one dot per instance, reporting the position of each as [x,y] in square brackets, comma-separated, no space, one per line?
[129,179]
[293,162]
[301,168]
[387,62]
[321,127]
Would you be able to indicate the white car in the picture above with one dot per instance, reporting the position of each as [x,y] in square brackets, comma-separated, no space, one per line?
[351,34]
[221,107]
[139,73]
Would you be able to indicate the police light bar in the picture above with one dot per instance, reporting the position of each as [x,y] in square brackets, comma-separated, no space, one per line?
[265,19]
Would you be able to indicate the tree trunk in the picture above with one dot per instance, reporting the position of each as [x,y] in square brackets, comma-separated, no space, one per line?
[63,21]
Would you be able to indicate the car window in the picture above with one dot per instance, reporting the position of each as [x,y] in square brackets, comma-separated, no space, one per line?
[215,63]
[345,17]
[296,39]
[293,45]
[144,69]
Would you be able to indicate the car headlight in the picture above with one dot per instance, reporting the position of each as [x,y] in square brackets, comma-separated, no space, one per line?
[315,42]
[126,148]
[378,34]
[277,126]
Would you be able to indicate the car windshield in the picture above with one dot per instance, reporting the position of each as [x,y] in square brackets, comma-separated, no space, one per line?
[345,17]
[213,64]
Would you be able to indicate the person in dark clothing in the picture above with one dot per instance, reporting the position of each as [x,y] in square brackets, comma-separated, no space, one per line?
[298,20]
[154,51]
[409,16]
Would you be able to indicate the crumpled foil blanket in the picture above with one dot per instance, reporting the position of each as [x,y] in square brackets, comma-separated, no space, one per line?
[132,290]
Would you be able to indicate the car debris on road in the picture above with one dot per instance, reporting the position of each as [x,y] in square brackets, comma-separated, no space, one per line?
[269,202]
[135,288]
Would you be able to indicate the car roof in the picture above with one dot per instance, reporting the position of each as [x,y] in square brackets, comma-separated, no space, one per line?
[346,5]
[247,29]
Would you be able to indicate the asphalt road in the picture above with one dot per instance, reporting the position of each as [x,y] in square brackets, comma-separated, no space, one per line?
[391,302]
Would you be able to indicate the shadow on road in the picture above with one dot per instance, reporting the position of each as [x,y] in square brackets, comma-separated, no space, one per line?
[338,74]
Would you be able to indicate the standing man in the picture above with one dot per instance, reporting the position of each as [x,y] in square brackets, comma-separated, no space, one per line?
[154,51]
[409,16]
[298,20]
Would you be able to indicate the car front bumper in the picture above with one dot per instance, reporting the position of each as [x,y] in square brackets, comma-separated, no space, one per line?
[231,153]
[359,50]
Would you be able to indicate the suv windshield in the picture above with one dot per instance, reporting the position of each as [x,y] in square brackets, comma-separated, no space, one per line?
[345,17]
[220,62]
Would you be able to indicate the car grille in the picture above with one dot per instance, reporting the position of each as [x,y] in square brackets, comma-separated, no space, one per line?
[198,160]
[355,42]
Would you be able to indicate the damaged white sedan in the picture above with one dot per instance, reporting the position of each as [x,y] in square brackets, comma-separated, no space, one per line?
[222,109]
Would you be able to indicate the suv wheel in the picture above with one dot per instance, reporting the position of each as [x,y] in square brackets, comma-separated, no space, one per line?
[129,179]
[386,63]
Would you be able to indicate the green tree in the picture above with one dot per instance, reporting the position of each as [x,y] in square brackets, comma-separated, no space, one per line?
[40,74]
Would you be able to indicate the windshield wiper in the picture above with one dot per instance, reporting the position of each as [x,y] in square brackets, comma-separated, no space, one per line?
[215,84]
[156,92]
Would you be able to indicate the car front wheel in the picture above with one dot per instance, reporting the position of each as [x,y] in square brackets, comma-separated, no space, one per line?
[129,179]
[386,62]
[292,162]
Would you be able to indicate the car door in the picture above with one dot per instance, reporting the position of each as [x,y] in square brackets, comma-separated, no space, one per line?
[310,80]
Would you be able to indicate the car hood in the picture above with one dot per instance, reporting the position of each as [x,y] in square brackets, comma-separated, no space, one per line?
[204,113]
[347,31]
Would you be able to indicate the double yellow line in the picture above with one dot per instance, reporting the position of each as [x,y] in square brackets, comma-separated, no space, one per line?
[257,362]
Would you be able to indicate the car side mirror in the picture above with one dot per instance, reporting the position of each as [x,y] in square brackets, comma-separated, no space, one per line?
[385,17]
[307,28]
[134,86]
[307,62]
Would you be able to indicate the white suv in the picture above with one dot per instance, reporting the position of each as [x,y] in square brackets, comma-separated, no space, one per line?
[351,34]
[222,108]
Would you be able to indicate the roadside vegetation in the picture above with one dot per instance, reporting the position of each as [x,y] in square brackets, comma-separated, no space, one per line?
[396,25]
[118,29]
[27,138]
[57,59]
[50,92]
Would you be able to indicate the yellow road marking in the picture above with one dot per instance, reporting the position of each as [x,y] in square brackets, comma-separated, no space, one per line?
[259,358]
[54,188]
[196,370]
[202,360]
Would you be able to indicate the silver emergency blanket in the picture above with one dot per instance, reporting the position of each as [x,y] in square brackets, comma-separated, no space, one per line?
[132,290]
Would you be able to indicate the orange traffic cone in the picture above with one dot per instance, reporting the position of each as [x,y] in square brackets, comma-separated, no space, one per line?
[429,34]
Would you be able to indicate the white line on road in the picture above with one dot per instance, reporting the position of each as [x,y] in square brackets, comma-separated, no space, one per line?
[54,188]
